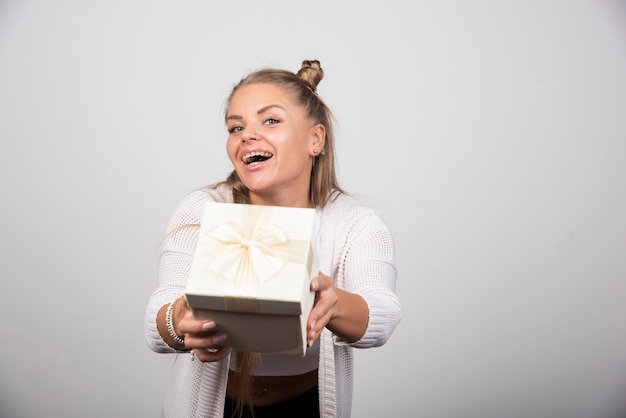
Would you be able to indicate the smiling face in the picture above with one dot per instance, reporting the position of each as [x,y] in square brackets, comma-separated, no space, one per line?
[271,144]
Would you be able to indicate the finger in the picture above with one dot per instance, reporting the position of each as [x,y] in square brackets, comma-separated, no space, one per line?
[317,325]
[324,304]
[317,322]
[203,341]
[314,333]
[189,325]
[207,355]
[321,282]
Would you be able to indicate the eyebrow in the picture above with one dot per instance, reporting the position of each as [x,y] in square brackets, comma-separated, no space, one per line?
[268,107]
[260,111]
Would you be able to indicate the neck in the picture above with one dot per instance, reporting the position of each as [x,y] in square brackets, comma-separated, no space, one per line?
[282,200]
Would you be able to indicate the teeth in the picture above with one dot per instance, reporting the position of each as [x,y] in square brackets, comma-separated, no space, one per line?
[254,157]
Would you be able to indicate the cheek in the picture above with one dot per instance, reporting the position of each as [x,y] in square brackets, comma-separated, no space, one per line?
[231,149]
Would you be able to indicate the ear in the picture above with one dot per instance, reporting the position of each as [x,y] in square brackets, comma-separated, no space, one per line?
[318,138]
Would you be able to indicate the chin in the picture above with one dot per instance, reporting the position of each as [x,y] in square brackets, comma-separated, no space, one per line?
[255,188]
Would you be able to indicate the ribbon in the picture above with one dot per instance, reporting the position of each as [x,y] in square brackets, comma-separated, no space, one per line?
[252,251]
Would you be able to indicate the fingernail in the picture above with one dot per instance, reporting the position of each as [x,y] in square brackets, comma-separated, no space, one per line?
[219,338]
[208,326]
[315,285]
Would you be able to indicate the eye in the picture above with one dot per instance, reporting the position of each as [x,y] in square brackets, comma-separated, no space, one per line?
[271,121]
[235,129]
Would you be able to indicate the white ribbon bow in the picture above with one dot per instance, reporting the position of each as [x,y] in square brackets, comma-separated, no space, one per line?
[247,247]
[250,252]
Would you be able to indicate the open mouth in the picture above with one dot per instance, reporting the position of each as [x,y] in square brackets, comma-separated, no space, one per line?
[256,157]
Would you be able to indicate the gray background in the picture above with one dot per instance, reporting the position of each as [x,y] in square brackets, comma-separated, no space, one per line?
[489,134]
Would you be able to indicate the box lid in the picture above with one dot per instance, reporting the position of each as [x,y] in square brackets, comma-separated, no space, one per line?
[254,258]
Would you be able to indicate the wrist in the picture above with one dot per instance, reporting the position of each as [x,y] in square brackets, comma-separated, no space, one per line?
[169,322]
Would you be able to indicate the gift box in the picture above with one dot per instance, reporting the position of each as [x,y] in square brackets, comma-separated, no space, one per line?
[251,274]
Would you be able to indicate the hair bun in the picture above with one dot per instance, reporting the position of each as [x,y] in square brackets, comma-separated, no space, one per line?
[311,72]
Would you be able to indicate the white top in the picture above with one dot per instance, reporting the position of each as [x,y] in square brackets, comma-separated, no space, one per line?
[356,249]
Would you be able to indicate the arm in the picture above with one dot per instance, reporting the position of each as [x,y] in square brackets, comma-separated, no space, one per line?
[359,306]
[174,265]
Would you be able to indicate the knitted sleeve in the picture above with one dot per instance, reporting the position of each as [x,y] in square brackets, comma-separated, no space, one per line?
[367,267]
[175,259]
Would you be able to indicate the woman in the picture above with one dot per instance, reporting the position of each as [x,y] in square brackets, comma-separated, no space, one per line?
[280,142]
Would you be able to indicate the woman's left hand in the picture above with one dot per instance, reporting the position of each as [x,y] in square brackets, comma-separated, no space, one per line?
[325,301]
[345,314]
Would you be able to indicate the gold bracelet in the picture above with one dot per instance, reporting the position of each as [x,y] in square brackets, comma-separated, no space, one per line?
[170,326]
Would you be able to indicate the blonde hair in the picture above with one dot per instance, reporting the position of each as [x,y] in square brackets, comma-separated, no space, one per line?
[302,86]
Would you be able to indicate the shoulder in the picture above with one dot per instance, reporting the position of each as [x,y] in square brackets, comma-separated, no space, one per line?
[214,193]
[191,207]
[346,206]
[346,214]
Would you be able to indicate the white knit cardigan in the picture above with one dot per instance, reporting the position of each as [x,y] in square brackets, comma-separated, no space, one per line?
[356,249]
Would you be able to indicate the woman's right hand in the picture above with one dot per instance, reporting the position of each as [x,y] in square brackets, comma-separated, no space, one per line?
[200,334]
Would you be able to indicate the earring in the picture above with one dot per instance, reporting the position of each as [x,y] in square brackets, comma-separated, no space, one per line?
[315,151]
[323,152]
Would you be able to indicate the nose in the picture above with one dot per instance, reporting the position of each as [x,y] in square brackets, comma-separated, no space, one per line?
[249,134]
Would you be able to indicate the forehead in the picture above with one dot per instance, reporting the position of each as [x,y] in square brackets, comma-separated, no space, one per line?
[260,95]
